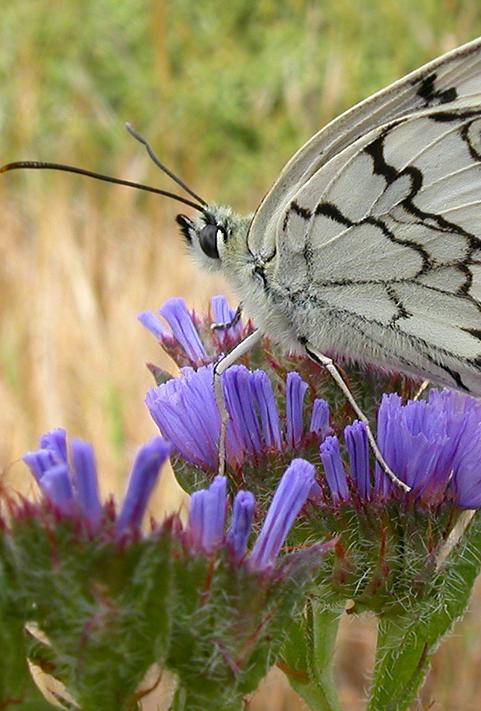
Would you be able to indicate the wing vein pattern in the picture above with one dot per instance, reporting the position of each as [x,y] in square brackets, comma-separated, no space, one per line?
[375,224]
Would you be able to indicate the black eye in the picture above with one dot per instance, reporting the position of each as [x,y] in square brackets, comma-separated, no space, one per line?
[208,241]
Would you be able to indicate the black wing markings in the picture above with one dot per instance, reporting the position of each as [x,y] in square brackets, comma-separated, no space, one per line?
[431,221]
[430,95]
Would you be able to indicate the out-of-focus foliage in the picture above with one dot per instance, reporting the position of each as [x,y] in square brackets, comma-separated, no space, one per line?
[226,91]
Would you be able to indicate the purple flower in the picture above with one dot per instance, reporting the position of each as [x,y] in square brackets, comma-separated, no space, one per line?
[357,444]
[72,486]
[434,446]
[183,329]
[242,517]
[186,413]
[190,340]
[296,390]
[335,474]
[205,528]
[290,497]
[320,419]
[142,480]
[84,472]
[207,515]
[263,395]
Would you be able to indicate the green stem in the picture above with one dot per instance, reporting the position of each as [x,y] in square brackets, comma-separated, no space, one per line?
[403,658]
[186,700]
[315,695]
[309,655]
[407,642]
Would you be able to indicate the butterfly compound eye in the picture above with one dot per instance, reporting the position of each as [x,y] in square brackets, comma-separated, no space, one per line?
[208,241]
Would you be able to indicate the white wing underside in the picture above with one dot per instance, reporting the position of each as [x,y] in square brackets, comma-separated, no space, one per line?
[431,85]
[378,220]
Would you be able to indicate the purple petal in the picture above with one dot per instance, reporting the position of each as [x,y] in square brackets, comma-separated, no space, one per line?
[207,515]
[387,414]
[85,480]
[296,390]
[56,486]
[56,442]
[150,321]
[267,406]
[142,480]
[185,411]
[40,462]
[244,423]
[357,445]
[421,441]
[464,428]
[288,500]
[320,419]
[183,328]
[333,466]
[242,517]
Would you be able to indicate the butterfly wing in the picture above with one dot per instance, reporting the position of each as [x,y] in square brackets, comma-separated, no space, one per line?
[454,77]
[386,238]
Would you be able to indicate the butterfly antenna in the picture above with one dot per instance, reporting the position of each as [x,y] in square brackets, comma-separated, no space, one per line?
[40,165]
[138,137]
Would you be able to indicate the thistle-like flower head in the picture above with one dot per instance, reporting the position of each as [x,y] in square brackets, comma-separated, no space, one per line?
[388,542]
[176,595]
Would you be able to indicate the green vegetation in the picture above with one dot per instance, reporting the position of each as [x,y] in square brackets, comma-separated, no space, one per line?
[225,91]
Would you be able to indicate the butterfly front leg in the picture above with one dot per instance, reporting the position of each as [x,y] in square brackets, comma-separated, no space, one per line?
[228,324]
[219,368]
[329,365]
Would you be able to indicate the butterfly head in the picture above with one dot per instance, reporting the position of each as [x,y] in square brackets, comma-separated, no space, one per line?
[213,234]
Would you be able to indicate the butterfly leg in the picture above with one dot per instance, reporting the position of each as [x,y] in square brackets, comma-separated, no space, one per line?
[228,324]
[219,368]
[327,363]
[422,388]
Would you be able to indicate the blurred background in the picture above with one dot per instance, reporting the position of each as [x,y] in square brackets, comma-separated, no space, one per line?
[226,92]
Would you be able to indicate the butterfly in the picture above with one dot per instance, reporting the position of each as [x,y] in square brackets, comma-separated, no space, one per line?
[368,245]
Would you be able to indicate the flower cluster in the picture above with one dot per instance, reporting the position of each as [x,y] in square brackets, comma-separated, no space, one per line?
[69,483]
[433,445]
[172,595]
[191,340]
[212,598]
[186,412]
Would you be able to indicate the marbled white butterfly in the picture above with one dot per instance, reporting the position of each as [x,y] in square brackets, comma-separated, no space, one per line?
[368,245]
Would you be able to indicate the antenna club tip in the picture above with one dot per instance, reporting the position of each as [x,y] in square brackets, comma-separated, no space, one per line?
[133,132]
